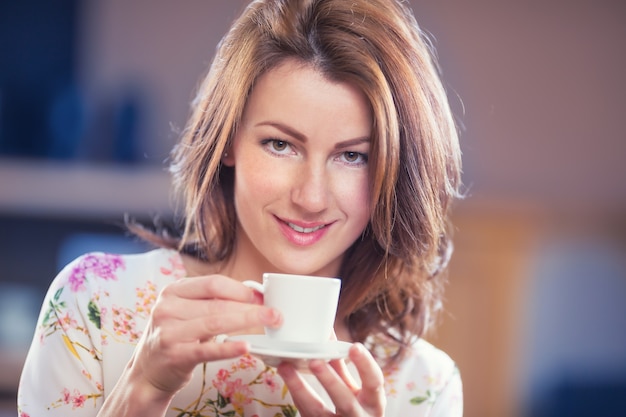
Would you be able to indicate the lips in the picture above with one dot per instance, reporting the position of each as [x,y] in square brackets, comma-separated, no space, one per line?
[302,234]
[304,229]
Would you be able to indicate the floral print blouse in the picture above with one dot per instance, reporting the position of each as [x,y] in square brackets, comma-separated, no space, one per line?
[95,312]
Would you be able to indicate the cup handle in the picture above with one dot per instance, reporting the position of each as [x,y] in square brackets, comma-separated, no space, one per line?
[254,285]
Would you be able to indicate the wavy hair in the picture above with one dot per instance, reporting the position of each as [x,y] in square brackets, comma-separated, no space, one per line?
[394,274]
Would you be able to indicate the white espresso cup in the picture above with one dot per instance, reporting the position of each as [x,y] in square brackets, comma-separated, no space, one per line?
[308,305]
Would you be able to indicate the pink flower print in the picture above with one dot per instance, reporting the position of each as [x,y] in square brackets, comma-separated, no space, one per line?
[124,323]
[77,280]
[176,268]
[410,386]
[75,398]
[270,381]
[23,414]
[102,266]
[222,375]
[67,321]
[146,297]
[66,396]
[78,401]
[120,325]
[246,362]
[240,393]
[221,382]
[104,312]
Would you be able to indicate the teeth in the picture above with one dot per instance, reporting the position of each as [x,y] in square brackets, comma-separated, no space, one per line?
[304,229]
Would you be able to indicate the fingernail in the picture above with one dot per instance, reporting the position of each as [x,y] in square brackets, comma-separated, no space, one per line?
[257,297]
[286,370]
[360,349]
[270,316]
[316,365]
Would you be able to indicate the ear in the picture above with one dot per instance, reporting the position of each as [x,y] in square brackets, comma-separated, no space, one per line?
[228,158]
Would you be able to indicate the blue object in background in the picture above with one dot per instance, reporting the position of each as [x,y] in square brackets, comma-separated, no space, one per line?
[576,338]
[19,308]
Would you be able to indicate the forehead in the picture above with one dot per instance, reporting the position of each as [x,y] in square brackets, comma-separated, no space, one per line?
[298,93]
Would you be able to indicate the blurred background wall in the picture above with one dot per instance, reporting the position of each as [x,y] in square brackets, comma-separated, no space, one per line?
[92,94]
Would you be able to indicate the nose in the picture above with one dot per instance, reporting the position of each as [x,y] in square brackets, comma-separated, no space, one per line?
[311,188]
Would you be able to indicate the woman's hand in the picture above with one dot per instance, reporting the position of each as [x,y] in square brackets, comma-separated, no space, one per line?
[349,399]
[187,317]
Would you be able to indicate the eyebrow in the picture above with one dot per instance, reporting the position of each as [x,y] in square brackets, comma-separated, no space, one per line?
[288,130]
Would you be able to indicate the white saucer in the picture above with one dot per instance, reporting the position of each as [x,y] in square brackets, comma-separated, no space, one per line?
[267,350]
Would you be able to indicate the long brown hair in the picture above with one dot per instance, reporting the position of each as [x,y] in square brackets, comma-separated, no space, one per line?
[393,275]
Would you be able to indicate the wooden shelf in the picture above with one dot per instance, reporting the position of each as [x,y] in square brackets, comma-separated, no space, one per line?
[73,189]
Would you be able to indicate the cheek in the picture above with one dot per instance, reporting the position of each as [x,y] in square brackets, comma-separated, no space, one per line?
[354,197]
[256,180]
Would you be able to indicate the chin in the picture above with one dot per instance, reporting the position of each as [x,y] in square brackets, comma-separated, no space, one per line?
[304,268]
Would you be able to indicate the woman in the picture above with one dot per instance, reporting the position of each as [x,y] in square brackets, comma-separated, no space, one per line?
[320,143]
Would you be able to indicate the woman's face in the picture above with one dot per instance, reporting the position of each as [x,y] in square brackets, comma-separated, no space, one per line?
[301,173]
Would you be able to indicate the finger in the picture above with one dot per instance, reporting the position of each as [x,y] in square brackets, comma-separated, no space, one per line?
[212,351]
[342,370]
[339,392]
[372,393]
[185,309]
[182,358]
[204,327]
[210,287]
[306,400]
[369,370]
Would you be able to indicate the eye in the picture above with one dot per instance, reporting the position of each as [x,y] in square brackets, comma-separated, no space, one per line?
[351,156]
[355,158]
[276,146]
[279,145]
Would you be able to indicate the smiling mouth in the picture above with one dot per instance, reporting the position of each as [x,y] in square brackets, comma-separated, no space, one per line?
[305,229]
